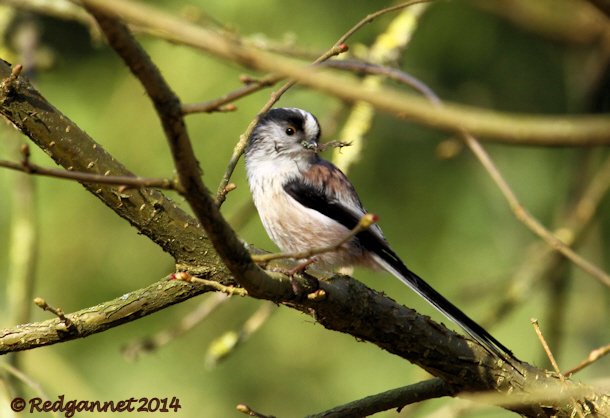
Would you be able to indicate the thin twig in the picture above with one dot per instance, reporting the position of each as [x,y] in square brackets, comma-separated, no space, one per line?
[42,304]
[387,46]
[545,130]
[338,48]
[364,223]
[528,220]
[27,380]
[213,105]
[229,341]
[151,343]
[391,399]
[523,215]
[239,148]
[222,103]
[8,84]
[395,74]
[167,105]
[369,18]
[228,290]
[540,259]
[598,188]
[551,358]
[84,177]
[593,356]
[245,409]
[546,348]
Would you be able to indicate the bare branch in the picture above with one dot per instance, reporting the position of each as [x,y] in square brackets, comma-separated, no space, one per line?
[375,318]
[362,67]
[593,356]
[391,399]
[577,409]
[167,104]
[125,308]
[523,215]
[136,348]
[364,223]
[489,125]
[84,177]
[338,48]
[244,91]
[368,19]
[541,259]
[239,148]
[223,346]
[147,209]
[546,348]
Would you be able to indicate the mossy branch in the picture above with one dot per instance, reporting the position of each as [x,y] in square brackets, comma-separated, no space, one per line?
[348,307]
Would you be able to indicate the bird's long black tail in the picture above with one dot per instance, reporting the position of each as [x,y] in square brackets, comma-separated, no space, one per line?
[392,263]
[371,239]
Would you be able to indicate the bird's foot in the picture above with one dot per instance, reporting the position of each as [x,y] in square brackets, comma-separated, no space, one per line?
[300,268]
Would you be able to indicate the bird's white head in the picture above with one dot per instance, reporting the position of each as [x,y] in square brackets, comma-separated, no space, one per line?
[284,132]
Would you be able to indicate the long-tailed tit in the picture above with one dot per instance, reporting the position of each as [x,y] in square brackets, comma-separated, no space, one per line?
[306,202]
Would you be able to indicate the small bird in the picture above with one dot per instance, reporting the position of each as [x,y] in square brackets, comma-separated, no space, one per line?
[306,202]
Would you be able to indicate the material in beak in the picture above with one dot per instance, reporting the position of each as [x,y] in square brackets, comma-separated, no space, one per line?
[311,144]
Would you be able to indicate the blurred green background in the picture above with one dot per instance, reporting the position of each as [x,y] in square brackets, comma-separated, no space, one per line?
[443,216]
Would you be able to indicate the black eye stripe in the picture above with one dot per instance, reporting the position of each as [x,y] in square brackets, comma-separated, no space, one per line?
[285,118]
[296,123]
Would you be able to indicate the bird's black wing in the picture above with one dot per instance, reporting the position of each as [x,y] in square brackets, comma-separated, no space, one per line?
[314,196]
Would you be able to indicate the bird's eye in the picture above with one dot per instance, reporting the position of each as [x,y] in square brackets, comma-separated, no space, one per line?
[290,131]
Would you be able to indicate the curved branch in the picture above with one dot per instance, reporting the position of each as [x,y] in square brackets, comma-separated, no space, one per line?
[88,321]
[528,220]
[391,399]
[349,306]
[167,104]
[488,125]
[153,214]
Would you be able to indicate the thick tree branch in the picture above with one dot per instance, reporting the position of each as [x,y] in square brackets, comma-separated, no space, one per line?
[233,253]
[487,125]
[349,306]
[239,148]
[147,209]
[338,48]
[126,308]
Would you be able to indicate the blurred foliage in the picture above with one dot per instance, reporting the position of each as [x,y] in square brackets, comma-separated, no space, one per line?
[445,217]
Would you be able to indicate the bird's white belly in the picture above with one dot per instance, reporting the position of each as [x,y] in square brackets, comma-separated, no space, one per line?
[296,228]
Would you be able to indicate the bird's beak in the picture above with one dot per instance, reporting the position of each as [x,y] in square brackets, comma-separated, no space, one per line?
[311,145]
